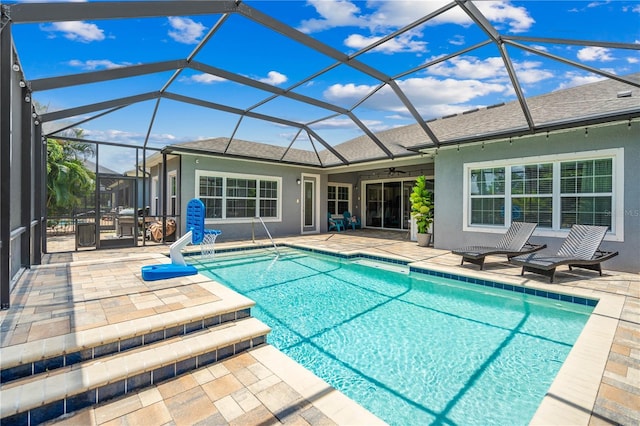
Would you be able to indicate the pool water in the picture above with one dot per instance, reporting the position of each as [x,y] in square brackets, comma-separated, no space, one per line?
[411,348]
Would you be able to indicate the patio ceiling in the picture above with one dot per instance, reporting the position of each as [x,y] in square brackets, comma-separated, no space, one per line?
[150,89]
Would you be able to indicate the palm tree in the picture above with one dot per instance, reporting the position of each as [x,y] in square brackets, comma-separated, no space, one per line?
[69,181]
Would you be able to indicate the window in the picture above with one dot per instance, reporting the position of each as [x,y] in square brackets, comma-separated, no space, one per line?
[555,192]
[338,198]
[532,194]
[155,205]
[211,195]
[487,196]
[586,192]
[231,197]
[173,192]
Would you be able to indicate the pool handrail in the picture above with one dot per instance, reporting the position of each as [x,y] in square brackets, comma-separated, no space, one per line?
[253,236]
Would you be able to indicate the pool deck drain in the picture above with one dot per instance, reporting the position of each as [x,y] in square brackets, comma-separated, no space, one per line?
[599,382]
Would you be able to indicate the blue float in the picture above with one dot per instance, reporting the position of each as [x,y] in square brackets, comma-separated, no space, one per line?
[161,272]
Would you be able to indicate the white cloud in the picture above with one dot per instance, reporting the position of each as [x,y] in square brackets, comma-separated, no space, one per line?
[403,43]
[335,123]
[122,160]
[453,86]
[385,15]
[470,67]
[185,30]
[595,53]
[340,92]
[334,13]
[529,72]
[504,13]
[432,97]
[132,138]
[491,69]
[95,64]
[274,78]
[457,40]
[431,91]
[203,78]
[632,60]
[537,47]
[540,47]
[76,30]
[633,9]
[397,13]
[573,79]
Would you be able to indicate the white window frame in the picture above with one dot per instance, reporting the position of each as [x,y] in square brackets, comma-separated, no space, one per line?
[343,185]
[617,197]
[225,176]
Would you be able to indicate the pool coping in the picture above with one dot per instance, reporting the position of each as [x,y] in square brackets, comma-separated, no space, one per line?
[571,398]
[417,267]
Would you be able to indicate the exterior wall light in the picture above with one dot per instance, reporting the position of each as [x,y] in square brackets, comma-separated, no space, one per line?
[298,181]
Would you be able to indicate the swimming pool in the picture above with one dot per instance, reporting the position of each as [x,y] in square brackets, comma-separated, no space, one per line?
[410,347]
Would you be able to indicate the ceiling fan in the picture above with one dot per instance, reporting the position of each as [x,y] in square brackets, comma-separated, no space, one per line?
[393,171]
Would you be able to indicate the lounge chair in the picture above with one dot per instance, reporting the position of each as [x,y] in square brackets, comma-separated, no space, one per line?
[335,224]
[513,243]
[352,221]
[581,249]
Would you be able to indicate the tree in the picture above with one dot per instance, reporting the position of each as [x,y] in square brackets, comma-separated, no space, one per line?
[422,205]
[69,181]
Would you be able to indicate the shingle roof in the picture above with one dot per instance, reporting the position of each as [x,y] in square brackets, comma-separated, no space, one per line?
[560,108]
[571,105]
[242,148]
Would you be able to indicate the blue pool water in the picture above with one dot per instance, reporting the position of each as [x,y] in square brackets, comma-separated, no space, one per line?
[411,348]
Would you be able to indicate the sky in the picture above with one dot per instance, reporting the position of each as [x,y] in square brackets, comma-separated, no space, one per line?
[475,79]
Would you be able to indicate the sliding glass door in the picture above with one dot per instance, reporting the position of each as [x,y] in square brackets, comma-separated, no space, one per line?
[387,204]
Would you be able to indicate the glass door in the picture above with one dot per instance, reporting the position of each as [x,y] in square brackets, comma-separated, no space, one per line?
[310,213]
[373,209]
[387,204]
[392,214]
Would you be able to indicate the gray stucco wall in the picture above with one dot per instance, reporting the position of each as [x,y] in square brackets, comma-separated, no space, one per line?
[290,223]
[449,176]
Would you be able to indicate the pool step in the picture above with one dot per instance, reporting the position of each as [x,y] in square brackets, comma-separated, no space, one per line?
[48,395]
[31,358]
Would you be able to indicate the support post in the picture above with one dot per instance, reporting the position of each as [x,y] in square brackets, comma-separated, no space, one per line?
[39,190]
[6,63]
[26,192]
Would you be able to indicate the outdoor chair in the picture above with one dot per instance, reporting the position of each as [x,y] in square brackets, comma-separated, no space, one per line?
[352,221]
[581,249]
[513,243]
[334,224]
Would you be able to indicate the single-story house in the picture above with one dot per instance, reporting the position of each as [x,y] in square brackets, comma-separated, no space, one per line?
[559,175]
